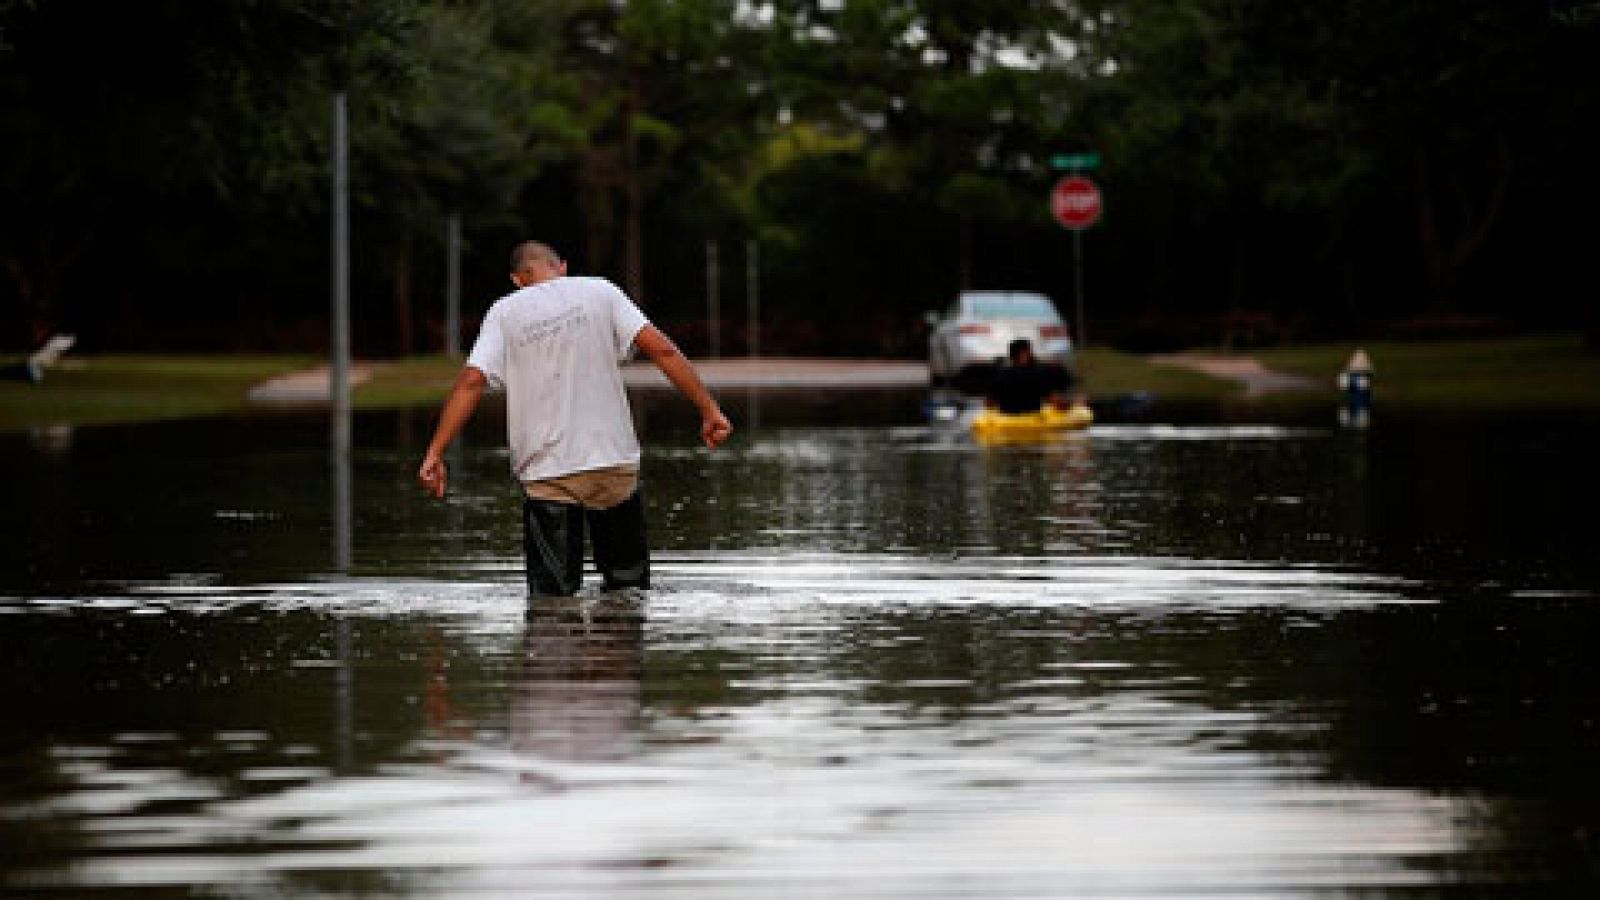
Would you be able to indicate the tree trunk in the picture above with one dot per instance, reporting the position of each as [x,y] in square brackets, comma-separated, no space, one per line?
[1591,322]
[38,287]
[964,251]
[596,183]
[1238,258]
[633,227]
[1478,201]
[404,332]
[1428,233]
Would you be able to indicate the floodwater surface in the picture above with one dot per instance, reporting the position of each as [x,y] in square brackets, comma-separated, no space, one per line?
[1224,658]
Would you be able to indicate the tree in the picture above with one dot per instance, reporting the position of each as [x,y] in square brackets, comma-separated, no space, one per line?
[670,94]
[1454,98]
[937,120]
[102,130]
[184,159]
[478,112]
[1273,120]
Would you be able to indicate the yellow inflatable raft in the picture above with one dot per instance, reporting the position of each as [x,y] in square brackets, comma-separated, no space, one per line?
[993,426]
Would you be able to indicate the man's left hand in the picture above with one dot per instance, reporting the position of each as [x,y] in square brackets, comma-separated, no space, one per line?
[714,429]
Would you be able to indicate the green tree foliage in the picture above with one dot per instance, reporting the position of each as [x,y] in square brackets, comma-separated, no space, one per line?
[939,118]
[671,93]
[103,131]
[1340,163]
[1224,139]
[1320,168]
[1470,109]
[475,114]
[172,178]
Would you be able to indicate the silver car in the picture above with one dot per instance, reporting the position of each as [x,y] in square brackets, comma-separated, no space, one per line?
[969,341]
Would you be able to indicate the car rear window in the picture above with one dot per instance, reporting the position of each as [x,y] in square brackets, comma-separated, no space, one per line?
[1011,306]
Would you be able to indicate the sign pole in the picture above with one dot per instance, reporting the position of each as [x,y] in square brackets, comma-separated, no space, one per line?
[1082,337]
[1075,202]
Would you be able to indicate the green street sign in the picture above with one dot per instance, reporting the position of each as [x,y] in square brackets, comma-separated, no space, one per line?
[1075,162]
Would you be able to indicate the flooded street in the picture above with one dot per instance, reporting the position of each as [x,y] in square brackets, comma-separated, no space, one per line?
[1202,656]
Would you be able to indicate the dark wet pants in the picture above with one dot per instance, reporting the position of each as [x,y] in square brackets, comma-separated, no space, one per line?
[552,540]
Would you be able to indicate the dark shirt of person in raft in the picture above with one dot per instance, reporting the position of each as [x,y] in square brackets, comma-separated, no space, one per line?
[1024,386]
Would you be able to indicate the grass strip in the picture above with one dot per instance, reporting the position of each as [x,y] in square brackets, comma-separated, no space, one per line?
[1548,372]
[99,390]
[1535,372]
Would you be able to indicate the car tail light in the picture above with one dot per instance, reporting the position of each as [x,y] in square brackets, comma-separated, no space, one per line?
[975,329]
[1053,331]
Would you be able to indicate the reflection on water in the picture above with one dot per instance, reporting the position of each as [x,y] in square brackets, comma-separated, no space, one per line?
[579,698]
[1233,660]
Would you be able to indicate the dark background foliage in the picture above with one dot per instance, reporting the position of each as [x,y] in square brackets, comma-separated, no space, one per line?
[1272,172]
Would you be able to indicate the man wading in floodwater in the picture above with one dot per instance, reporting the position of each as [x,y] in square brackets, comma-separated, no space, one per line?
[554,345]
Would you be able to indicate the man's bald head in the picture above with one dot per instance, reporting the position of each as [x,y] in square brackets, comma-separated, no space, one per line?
[531,251]
[533,262]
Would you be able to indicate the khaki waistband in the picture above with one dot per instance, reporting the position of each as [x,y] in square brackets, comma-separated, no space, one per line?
[590,489]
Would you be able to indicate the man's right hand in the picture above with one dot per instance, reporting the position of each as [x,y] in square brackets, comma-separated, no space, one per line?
[457,410]
[433,475]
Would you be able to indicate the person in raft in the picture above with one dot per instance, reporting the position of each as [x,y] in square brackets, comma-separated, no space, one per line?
[554,346]
[1025,386]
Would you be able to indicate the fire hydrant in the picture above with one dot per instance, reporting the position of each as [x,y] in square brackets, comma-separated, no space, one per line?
[1356,383]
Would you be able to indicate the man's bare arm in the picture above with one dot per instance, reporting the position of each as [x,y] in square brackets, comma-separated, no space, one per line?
[458,408]
[714,426]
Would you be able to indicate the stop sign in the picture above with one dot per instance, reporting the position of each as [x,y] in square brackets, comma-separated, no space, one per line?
[1075,202]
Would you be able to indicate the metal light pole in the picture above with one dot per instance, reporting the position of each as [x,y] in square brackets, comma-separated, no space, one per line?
[339,351]
[339,364]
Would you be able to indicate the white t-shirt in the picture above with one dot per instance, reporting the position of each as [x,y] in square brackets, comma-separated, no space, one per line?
[554,348]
